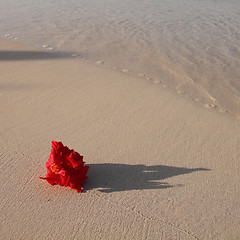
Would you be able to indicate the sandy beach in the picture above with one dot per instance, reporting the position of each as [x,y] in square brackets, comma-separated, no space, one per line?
[161,167]
[191,47]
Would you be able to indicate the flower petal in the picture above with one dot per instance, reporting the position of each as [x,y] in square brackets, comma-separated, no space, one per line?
[65,167]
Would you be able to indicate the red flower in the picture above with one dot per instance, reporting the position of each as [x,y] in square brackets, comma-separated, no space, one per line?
[65,167]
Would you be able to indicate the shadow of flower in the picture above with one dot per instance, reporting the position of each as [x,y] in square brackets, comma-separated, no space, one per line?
[122,177]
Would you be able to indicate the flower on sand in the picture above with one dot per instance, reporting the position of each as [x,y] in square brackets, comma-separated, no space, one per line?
[65,167]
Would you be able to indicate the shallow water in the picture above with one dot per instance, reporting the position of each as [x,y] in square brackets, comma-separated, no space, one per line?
[191,46]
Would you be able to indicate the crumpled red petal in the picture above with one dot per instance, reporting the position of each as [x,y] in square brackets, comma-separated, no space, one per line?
[65,167]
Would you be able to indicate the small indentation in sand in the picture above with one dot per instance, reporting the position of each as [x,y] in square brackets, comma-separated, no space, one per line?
[180,92]
[50,48]
[100,62]
[156,81]
[210,105]
[8,35]
[75,55]
[45,46]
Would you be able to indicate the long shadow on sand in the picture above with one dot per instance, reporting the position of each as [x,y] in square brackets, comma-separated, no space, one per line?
[32,55]
[122,177]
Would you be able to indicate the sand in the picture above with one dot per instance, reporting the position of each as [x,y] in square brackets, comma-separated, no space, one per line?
[161,167]
[192,47]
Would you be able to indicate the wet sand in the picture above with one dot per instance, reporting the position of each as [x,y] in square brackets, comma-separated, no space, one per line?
[191,47]
[161,167]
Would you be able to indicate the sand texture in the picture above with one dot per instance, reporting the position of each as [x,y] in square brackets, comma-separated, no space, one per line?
[161,167]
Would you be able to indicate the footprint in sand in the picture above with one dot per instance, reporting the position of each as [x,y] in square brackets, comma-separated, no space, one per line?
[156,81]
[100,62]
[210,105]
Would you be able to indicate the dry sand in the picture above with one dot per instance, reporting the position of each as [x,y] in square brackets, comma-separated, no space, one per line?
[160,166]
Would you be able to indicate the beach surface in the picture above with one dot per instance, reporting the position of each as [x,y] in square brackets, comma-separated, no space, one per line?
[161,167]
[189,46]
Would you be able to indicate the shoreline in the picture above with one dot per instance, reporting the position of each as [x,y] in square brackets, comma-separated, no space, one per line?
[160,165]
[191,48]
[164,81]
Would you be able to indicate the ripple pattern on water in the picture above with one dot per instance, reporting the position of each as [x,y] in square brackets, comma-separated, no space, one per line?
[192,46]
